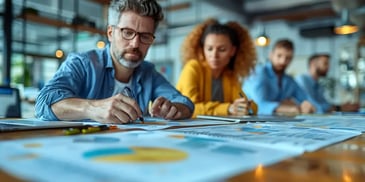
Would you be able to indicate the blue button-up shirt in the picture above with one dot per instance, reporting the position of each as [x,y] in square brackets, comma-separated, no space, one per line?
[314,92]
[90,75]
[263,87]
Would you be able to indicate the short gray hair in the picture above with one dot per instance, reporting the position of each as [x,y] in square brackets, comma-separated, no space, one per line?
[148,8]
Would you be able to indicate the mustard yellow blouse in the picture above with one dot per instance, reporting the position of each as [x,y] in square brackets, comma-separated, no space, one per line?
[195,82]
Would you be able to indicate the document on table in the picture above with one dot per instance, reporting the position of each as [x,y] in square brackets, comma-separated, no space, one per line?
[134,156]
[245,119]
[152,123]
[9,125]
[288,138]
[356,123]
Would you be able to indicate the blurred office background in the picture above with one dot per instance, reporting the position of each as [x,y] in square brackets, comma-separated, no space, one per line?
[38,34]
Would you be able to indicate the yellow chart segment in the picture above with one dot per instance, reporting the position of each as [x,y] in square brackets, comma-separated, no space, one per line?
[33,145]
[136,155]
[27,156]
[256,130]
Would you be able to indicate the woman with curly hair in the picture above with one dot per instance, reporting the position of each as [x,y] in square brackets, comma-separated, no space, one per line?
[216,57]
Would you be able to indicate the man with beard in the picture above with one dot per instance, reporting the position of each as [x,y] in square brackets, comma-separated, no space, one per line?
[318,65]
[274,91]
[115,85]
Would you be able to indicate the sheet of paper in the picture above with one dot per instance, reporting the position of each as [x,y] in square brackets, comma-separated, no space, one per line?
[245,119]
[133,156]
[356,123]
[284,137]
[10,125]
[341,122]
[159,123]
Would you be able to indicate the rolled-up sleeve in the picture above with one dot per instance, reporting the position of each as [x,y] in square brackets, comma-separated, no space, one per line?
[315,93]
[65,84]
[258,90]
[163,88]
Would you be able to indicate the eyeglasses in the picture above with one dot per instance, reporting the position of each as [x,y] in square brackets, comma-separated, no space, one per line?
[129,34]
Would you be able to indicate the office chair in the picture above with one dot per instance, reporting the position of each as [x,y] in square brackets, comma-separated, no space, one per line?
[10,103]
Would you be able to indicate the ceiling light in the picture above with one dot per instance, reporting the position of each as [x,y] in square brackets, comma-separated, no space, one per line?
[345,27]
[59,53]
[262,40]
[100,44]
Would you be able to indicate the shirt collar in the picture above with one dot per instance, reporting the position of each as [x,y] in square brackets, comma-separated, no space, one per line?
[108,56]
[311,80]
[271,72]
[137,75]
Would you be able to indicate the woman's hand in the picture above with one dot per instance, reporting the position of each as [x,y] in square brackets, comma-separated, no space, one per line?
[240,106]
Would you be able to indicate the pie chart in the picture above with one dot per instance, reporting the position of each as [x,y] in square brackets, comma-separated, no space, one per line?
[135,154]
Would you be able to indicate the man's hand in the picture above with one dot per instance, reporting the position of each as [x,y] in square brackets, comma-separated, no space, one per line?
[287,107]
[306,107]
[350,107]
[161,107]
[117,109]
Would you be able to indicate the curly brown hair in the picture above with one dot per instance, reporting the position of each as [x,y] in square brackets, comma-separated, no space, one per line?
[245,58]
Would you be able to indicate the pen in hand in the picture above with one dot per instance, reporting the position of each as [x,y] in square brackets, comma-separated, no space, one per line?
[149,107]
[128,92]
[242,95]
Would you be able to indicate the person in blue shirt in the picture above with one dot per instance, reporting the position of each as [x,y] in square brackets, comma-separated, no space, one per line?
[115,85]
[274,91]
[318,66]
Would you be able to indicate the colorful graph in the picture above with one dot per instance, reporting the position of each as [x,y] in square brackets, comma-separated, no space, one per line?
[96,139]
[25,156]
[136,155]
[257,129]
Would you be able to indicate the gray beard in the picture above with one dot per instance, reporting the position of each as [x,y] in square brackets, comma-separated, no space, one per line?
[129,64]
